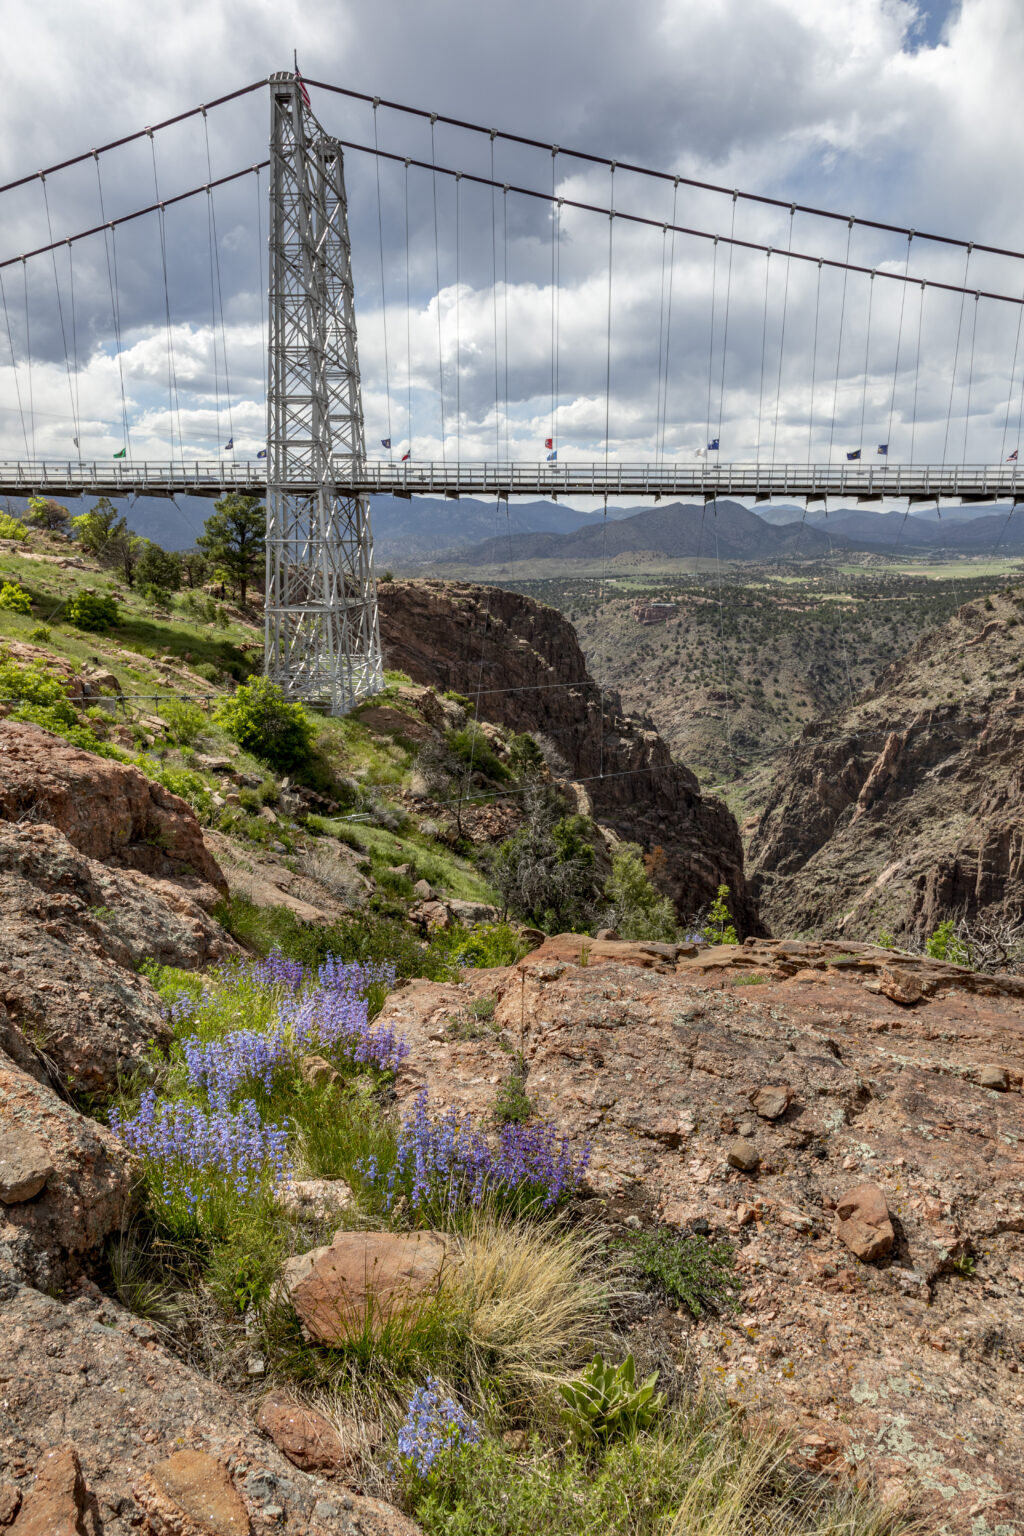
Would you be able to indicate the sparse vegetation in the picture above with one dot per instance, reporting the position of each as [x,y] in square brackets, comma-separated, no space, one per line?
[717,927]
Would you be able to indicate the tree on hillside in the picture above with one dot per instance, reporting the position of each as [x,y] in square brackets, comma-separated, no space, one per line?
[95,528]
[545,873]
[158,567]
[44,512]
[233,538]
[123,550]
[194,567]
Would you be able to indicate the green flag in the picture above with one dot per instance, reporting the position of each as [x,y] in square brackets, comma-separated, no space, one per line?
[121,454]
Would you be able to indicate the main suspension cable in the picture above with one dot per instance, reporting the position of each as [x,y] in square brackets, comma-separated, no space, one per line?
[641,170]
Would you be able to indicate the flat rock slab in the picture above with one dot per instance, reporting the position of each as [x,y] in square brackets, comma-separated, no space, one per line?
[889,1365]
[25,1163]
[191,1494]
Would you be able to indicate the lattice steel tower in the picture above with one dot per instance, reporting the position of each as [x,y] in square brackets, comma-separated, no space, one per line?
[322,634]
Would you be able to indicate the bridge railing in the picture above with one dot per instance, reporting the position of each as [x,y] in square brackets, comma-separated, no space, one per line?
[214,477]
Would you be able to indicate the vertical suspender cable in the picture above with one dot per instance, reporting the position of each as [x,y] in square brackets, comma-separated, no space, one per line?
[839,350]
[867,354]
[814,372]
[213,323]
[494,303]
[115,306]
[383,295]
[60,309]
[725,328]
[764,343]
[782,334]
[917,374]
[74,341]
[220,291]
[458,325]
[899,342]
[1009,392]
[504,301]
[28,354]
[554,155]
[661,338]
[437,282]
[14,364]
[408,318]
[956,357]
[262,288]
[558,316]
[668,321]
[607,429]
[970,377]
[173,405]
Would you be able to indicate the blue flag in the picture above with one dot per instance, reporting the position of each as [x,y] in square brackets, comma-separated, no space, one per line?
[713,445]
[262,453]
[552,456]
[385,442]
[883,448]
[854,455]
[229,444]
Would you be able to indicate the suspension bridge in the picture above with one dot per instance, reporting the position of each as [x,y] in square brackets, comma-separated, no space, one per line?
[738,286]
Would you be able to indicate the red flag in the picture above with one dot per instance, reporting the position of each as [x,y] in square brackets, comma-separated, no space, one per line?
[549,442]
[406,456]
[302,88]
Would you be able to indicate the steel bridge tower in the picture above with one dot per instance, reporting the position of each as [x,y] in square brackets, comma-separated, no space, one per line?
[322,632]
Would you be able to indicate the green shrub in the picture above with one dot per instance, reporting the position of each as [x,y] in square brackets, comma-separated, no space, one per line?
[91,611]
[946,944]
[11,528]
[40,633]
[262,721]
[638,910]
[186,784]
[207,671]
[718,926]
[691,1271]
[472,748]
[512,1103]
[545,873]
[186,720]
[605,1403]
[33,688]
[15,598]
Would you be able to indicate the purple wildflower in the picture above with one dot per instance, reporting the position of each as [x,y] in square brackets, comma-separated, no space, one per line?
[443,1162]
[435,1426]
[197,1152]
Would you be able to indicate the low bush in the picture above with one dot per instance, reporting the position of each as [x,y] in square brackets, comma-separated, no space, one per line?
[946,944]
[638,910]
[718,927]
[691,1272]
[93,612]
[11,528]
[186,720]
[262,721]
[14,598]
[40,633]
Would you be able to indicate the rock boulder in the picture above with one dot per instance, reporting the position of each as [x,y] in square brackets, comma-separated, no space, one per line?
[864,1223]
[363,1280]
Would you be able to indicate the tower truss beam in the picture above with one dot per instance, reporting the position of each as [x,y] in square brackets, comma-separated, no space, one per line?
[322,632]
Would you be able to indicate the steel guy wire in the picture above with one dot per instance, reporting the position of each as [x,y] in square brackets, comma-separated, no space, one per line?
[782,335]
[383,295]
[60,309]
[437,279]
[220,292]
[867,355]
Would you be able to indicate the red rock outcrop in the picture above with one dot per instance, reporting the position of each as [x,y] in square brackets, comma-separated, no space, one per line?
[73,933]
[107,810]
[522,662]
[908,807]
[912,1364]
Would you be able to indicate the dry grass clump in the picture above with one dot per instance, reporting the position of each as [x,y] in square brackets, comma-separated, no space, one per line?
[529,1304]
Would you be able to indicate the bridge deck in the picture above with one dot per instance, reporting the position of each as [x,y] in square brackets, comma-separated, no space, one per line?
[703,481]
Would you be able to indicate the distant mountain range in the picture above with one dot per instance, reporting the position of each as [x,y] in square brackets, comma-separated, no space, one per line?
[427,531]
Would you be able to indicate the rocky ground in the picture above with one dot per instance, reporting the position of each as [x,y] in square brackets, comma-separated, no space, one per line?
[819,1070]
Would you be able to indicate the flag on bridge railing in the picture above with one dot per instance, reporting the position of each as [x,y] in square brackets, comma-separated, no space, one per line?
[713,445]
[262,453]
[700,453]
[229,445]
[123,454]
[385,442]
[854,455]
[552,456]
[883,448]
[549,442]
[1013,457]
[406,456]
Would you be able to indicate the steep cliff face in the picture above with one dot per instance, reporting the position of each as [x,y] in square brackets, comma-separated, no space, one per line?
[522,662]
[909,806]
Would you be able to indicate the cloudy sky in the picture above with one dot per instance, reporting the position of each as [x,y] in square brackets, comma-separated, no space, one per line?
[898,110]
